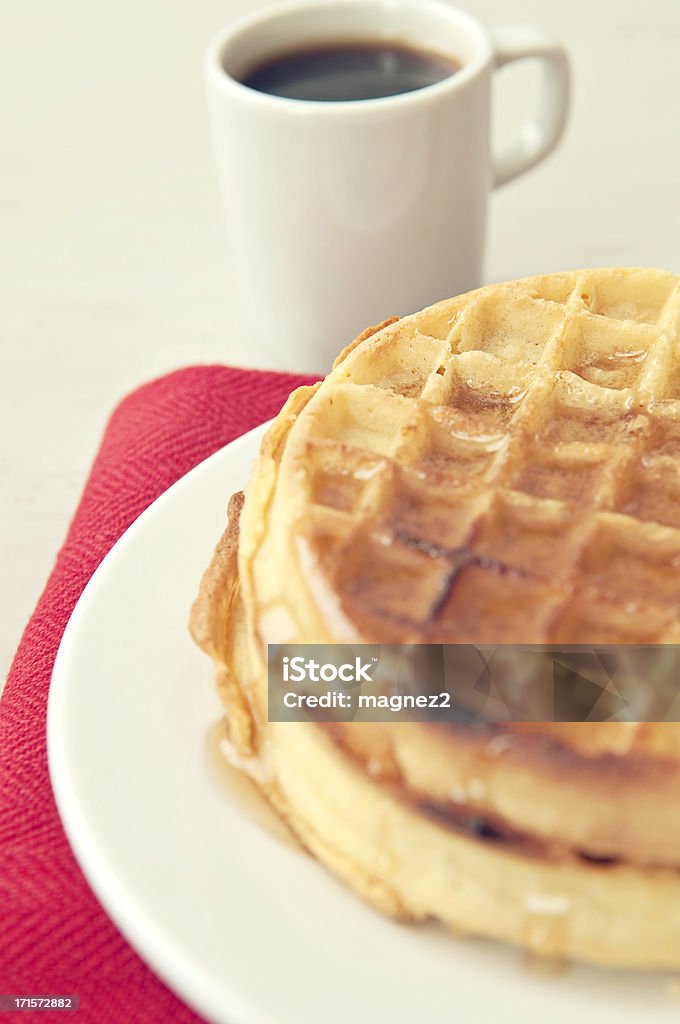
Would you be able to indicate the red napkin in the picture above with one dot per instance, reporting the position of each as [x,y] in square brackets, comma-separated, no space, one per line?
[54,936]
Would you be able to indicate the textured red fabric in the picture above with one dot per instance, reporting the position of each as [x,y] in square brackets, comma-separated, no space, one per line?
[54,936]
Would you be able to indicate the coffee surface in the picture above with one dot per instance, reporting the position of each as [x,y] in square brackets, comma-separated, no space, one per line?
[336,72]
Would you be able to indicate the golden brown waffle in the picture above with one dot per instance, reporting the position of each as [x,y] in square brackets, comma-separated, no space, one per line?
[502,467]
[505,467]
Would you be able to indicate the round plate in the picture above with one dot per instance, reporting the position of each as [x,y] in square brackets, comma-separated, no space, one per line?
[241,924]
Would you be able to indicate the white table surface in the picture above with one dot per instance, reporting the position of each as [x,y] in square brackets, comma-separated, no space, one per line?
[114,263]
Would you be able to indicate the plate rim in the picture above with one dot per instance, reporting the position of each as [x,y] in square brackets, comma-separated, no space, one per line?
[136,925]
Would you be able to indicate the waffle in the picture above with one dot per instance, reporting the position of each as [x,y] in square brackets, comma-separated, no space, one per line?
[501,467]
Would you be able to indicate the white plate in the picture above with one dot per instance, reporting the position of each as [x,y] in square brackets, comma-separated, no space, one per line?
[241,925]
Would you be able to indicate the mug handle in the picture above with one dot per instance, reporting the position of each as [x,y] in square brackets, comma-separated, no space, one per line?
[543,130]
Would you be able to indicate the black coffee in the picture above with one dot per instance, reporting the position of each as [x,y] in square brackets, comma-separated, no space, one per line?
[333,72]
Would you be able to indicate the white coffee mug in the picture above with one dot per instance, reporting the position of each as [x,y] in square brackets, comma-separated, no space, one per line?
[341,214]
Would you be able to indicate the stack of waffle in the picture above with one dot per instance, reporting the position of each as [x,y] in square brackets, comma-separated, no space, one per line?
[503,467]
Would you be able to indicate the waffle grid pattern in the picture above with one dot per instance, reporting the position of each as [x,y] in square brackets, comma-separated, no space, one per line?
[510,473]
